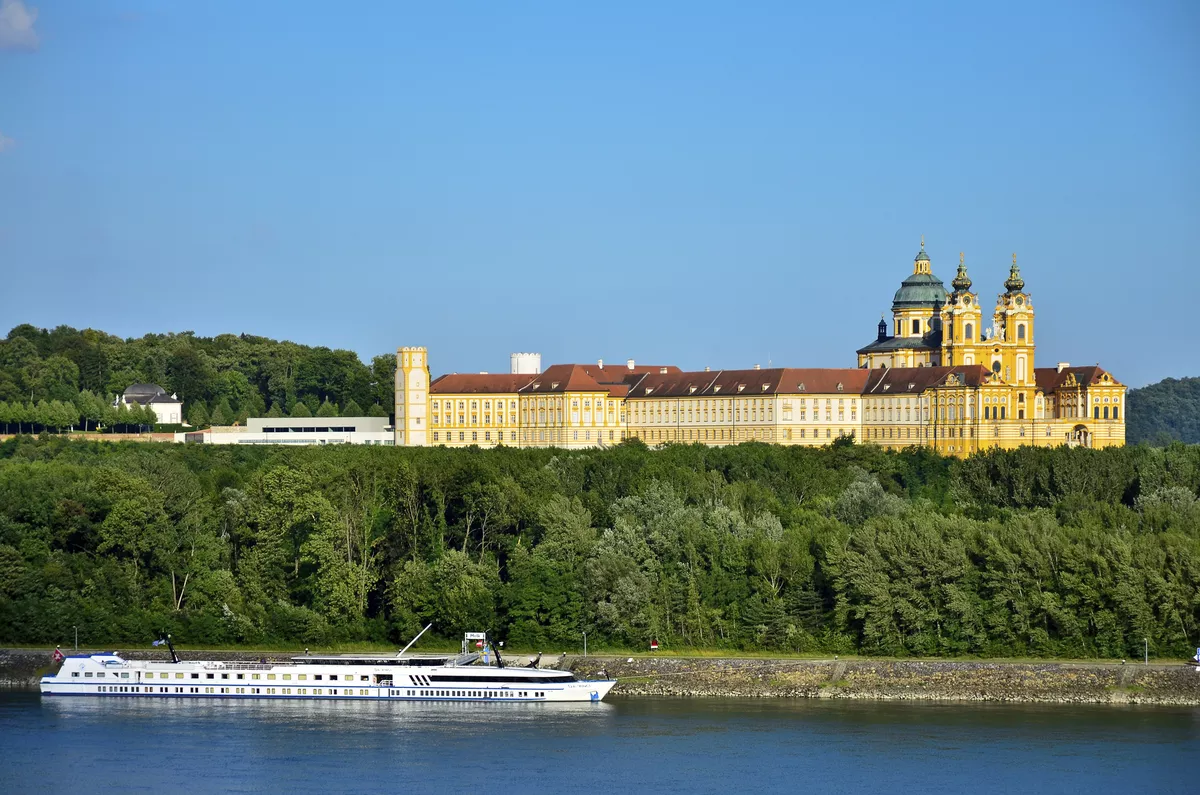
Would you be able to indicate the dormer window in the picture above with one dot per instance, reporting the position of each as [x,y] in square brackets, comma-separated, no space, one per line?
[766,387]
[886,387]
[691,390]
[717,388]
[800,388]
[554,385]
[741,387]
[911,387]
[840,388]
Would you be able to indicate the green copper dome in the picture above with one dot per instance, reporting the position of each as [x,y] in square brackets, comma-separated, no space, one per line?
[920,290]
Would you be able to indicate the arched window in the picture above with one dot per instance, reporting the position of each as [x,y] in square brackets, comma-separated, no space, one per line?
[969,331]
[1020,331]
[916,327]
[996,367]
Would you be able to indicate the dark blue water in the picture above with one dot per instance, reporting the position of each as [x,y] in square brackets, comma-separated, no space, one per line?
[687,746]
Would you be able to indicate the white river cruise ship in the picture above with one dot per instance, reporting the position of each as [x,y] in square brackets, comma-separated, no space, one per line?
[469,676]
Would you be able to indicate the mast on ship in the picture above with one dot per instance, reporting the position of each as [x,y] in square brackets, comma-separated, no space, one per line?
[487,636]
[165,638]
[414,640]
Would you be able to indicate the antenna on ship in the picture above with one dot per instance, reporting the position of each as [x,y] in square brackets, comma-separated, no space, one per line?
[414,640]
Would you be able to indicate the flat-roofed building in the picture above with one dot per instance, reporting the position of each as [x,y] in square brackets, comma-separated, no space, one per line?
[298,431]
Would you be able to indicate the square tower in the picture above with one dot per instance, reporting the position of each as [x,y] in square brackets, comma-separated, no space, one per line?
[412,397]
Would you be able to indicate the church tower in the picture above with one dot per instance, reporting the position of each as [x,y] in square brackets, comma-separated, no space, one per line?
[412,397]
[1011,351]
[962,321]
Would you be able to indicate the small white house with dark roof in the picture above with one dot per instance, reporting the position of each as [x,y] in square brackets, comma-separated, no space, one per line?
[168,408]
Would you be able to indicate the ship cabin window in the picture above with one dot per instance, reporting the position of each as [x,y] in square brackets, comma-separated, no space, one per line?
[349,677]
[270,676]
[364,679]
[240,676]
[209,676]
[89,673]
[125,676]
[224,676]
[302,677]
[287,676]
[178,676]
[256,676]
[75,673]
[317,677]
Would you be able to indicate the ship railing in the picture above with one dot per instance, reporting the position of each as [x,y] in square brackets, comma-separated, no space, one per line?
[233,665]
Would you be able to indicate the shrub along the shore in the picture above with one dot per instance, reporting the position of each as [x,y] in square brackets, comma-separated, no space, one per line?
[1073,553]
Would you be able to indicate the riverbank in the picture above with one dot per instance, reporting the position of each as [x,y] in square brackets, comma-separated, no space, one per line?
[942,680]
[732,677]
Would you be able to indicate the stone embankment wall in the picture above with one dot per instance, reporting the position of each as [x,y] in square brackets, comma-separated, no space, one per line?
[1047,682]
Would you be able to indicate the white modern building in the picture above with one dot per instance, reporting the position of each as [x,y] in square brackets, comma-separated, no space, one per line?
[168,408]
[297,430]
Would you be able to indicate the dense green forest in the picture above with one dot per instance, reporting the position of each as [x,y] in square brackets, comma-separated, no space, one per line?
[1164,412]
[48,375]
[1034,552]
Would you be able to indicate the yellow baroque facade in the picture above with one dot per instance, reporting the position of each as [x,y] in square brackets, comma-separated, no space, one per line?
[940,379]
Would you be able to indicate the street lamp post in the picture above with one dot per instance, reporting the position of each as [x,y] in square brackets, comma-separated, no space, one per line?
[585,644]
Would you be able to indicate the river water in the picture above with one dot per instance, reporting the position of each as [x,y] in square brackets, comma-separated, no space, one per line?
[624,745]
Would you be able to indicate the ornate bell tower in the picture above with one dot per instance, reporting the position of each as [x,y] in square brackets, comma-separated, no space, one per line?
[1011,351]
[962,321]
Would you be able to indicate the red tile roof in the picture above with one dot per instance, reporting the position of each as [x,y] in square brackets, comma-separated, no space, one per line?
[914,380]
[1049,379]
[559,378]
[748,383]
[469,383]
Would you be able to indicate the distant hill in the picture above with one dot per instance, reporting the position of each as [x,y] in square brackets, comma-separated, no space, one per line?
[1164,412]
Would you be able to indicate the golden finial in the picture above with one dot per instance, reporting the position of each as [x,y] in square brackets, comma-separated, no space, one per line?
[1014,259]
[922,241]
[961,258]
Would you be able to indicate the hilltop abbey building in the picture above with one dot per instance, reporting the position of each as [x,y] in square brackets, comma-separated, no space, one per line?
[941,375]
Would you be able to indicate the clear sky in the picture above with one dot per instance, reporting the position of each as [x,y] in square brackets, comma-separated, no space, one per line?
[692,183]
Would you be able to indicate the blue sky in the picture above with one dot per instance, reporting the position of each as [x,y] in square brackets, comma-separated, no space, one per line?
[692,183]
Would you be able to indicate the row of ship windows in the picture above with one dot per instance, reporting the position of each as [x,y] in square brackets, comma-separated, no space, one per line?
[256,691]
[317,691]
[179,675]
[472,693]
